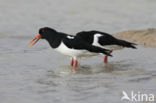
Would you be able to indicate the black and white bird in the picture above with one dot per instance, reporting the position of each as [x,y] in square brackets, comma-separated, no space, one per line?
[69,45]
[103,40]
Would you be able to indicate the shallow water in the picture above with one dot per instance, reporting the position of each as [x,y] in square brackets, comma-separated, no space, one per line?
[41,75]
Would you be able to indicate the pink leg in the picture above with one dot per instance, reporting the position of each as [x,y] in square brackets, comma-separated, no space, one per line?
[76,63]
[72,62]
[106,58]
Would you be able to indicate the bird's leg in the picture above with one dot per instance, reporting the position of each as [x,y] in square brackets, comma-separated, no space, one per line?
[76,63]
[72,62]
[106,57]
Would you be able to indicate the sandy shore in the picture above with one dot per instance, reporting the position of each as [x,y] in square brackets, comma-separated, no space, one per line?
[145,38]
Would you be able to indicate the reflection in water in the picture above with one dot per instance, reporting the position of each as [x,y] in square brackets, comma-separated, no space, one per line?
[113,68]
[42,74]
[38,74]
[99,68]
[92,81]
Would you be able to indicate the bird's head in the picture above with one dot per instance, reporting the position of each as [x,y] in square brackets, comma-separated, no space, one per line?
[44,33]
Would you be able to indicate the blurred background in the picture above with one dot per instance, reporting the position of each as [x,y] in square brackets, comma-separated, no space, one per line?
[25,17]
[41,75]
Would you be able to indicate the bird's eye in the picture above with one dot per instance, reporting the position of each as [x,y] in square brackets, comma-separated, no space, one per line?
[43,30]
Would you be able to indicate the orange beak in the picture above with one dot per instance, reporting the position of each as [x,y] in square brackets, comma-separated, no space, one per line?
[37,38]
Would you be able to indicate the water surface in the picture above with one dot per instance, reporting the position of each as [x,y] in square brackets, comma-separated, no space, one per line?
[41,75]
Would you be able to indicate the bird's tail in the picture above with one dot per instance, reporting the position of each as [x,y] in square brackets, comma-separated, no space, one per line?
[106,52]
[100,50]
[126,44]
[95,49]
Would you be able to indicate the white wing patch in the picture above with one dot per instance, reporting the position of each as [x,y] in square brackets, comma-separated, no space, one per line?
[110,47]
[96,40]
[70,37]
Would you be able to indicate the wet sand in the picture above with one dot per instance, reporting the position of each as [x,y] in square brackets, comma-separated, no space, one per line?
[145,37]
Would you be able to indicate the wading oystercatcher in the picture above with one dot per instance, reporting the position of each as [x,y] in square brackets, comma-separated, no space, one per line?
[68,45]
[103,40]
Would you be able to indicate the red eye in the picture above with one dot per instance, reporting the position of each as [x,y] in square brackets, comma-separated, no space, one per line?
[43,30]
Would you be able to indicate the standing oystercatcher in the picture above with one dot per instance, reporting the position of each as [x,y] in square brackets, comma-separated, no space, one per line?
[68,45]
[103,40]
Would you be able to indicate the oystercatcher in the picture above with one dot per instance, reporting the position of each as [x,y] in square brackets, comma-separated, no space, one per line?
[68,44]
[103,40]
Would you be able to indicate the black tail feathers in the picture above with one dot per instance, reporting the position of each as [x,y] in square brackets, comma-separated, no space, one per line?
[126,44]
[105,51]
[108,53]
[96,49]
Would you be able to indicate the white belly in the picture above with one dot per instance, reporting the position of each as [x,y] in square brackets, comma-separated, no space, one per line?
[63,49]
